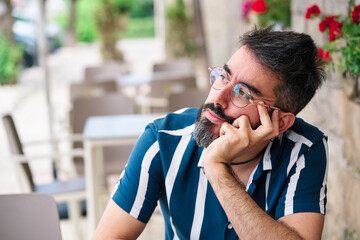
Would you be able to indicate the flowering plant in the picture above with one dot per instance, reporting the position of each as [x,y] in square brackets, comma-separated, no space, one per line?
[268,12]
[343,38]
[257,6]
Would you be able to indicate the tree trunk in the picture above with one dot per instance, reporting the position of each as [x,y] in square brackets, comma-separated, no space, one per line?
[71,34]
[6,21]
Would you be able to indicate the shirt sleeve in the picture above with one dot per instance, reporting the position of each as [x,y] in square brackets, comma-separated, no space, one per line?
[139,186]
[305,189]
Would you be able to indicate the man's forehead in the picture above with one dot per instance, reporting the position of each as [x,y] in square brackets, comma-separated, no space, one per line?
[244,67]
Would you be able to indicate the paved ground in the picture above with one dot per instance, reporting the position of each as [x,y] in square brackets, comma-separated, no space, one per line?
[26,101]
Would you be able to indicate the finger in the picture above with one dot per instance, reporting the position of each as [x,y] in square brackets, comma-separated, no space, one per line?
[264,115]
[275,121]
[241,121]
[225,128]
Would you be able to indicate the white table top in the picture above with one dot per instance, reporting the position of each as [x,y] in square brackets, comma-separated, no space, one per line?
[134,79]
[117,126]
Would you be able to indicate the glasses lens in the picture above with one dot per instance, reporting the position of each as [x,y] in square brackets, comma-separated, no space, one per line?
[240,95]
[218,78]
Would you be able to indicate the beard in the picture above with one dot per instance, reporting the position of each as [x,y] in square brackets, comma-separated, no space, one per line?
[204,129]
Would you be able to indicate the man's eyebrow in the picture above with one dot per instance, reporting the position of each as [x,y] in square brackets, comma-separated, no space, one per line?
[227,69]
[252,88]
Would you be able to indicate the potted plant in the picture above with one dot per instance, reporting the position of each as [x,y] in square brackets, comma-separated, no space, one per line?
[111,19]
[343,46]
[179,31]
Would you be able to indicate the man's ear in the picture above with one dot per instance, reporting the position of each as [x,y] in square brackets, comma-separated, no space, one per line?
[286,120]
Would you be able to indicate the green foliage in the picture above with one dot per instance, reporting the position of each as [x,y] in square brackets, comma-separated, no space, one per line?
[278,11]
[85,26]
[142,8]
[85,22]
[141,23]
[351,52]
[63,19]
[10,56]
[177,12]
[122,6]
[139,28]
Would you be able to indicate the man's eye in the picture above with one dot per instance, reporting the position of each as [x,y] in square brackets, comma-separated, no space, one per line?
[242,93]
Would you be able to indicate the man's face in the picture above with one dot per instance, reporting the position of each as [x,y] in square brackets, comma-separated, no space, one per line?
[218,107]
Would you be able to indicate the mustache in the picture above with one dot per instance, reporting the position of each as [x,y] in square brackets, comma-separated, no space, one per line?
[218,111]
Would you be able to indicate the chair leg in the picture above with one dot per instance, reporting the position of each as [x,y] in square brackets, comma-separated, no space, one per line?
[74,217]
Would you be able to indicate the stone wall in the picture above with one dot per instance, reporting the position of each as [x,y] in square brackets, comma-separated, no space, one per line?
[339,118]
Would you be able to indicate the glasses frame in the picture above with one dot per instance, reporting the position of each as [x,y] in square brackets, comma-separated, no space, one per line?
[250,99]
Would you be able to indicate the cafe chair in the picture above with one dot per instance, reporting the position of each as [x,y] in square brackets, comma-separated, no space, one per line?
[92,89]
[190,98]
[105,72]
[161,86]
[31,216]
[70,194]
[115,157]
[184,65]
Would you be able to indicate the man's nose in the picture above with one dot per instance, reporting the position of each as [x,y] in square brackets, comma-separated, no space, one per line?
[222,96]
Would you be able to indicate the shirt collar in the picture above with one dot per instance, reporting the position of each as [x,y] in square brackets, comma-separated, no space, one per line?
[267,158]
[201,160]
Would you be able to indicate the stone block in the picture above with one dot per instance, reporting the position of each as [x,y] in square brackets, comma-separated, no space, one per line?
[351,199]
[335,7]
[335,191]
[351,131]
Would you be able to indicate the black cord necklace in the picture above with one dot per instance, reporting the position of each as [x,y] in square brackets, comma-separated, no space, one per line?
[239,163]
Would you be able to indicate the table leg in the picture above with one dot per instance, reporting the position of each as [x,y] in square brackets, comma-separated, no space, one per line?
[92,188]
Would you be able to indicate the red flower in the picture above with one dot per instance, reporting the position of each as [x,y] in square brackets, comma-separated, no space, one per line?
[324,56]
[246,7]
[259,6]
[355,14]
[314,10]
[326,22]
[334,30]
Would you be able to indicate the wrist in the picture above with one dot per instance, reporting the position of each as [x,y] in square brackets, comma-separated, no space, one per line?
[216,169]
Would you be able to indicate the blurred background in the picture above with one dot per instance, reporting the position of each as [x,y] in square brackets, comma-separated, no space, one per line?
[63,61]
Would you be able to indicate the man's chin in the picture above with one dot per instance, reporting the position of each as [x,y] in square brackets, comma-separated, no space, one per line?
[204,132]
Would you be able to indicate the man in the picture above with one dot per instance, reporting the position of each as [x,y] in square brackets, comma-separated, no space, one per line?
[243,166]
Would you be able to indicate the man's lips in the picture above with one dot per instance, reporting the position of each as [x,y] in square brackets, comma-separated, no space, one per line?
[210,115]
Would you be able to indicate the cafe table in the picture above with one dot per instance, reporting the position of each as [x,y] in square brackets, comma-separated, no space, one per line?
[100,132]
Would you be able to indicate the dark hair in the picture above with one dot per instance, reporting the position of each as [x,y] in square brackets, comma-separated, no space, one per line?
[294,58]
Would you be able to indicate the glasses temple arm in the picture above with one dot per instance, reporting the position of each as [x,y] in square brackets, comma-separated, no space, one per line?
[264,105]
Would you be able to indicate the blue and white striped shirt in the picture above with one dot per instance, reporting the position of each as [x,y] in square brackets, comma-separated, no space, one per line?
[165,166]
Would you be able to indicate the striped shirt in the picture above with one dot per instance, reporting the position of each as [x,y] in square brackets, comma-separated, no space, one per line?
[165,167]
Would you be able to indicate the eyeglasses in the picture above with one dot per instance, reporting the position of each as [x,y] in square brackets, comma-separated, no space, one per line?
[240,94]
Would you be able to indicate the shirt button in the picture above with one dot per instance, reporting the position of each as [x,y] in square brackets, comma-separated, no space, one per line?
[229,226]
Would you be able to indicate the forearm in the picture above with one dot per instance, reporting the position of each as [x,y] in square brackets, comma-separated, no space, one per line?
[247,218]
[118,224]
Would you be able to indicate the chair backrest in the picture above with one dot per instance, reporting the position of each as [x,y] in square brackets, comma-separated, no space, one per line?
[164,84]
[31,216]
[179,64]
[188,98]
[16,148]
[92,89]
[105,72]
[110,104]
